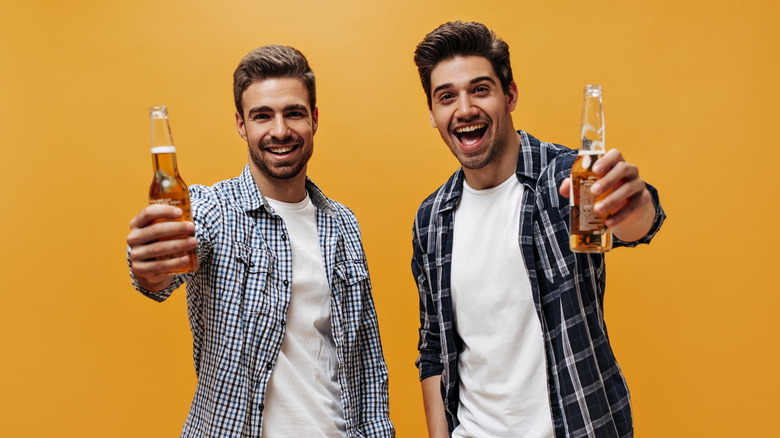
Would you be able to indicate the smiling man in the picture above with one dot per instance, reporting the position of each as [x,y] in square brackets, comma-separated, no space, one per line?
[285,336]
[512,336]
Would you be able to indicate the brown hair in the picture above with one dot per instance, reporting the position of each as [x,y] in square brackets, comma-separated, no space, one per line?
[272,61]
[456,38]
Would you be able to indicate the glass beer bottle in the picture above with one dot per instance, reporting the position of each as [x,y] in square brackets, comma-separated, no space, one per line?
[588,231]
[167,186]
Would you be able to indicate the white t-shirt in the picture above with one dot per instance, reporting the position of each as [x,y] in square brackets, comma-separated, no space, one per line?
[502,368]
[303,398]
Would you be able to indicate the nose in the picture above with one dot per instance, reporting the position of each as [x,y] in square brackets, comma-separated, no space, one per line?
[465,108]
[280,129]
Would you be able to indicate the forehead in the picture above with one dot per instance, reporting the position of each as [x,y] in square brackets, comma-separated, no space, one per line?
[460,70]
[274,92]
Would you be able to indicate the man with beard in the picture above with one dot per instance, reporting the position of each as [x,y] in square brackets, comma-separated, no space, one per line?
[512,336]
[285,335]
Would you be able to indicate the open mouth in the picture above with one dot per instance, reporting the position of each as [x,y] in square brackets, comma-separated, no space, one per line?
[281,150]
[468,135]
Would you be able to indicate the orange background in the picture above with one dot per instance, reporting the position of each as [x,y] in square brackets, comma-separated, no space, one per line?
[690,95]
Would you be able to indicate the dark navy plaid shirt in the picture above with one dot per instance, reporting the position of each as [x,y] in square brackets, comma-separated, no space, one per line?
[238,300]
[588,394]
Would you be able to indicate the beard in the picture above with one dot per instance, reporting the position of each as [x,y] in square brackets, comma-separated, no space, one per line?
[276,170]
[483,160]
[494,147]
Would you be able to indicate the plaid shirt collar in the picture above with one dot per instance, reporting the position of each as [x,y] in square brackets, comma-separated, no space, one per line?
[527,172]
[252,199]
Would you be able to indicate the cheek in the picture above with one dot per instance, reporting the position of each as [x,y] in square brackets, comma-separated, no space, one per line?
[254,133]
[306,131]
[440,120]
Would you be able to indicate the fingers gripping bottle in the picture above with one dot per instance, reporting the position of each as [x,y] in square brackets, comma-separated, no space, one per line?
[588,231]
[167,186]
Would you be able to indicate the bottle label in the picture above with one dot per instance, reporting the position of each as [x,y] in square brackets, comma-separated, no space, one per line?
[587,220]
[164,149]
[167,201]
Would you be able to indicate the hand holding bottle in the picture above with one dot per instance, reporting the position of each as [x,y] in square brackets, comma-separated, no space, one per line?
[628,209]
[160,244]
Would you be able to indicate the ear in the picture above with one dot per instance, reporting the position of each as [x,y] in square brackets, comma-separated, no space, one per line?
[512,96]
[241,126]
[315,116]
[433,120]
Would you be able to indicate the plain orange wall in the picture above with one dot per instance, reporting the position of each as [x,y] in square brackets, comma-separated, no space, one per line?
[690,95]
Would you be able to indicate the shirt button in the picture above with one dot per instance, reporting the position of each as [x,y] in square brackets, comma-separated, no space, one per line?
[284,323]
[261,407]
[269,365]
[286,283]
[284,236]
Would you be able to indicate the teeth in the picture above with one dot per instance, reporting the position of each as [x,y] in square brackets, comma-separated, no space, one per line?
[283,150]
[469,128]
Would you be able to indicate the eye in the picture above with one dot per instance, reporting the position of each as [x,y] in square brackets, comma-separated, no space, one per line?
[296,114]
[481,89]
[260,116]
[446,97]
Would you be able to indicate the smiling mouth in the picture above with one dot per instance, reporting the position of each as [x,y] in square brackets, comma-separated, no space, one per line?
[281,150]
[468,135]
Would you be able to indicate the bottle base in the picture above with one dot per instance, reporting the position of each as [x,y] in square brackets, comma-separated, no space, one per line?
[590,250]
[591,243]
[191,266]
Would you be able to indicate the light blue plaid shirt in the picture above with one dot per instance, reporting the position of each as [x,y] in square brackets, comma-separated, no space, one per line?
[237,303]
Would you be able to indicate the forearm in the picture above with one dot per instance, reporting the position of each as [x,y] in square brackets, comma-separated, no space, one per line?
[434,408]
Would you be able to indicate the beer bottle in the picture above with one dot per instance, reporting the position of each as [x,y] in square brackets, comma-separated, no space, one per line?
[588,231]
[167,186]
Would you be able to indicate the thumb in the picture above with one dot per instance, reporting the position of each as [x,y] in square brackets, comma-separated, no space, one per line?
[565,187]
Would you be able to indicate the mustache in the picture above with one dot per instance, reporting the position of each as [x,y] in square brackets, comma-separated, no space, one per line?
[476,118]
[272,141]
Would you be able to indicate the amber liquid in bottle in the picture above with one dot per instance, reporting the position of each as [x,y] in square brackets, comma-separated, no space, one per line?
[167,185]
[588,231]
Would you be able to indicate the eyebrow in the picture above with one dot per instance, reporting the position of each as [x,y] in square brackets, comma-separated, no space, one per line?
[268,109]
[471,82]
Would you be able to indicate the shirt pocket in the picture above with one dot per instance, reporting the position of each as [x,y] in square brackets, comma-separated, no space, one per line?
[253,279]
[350,282]
[350,272]
[550,253]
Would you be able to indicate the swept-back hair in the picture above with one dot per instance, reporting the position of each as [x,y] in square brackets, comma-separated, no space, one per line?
[269,62]
[456,38]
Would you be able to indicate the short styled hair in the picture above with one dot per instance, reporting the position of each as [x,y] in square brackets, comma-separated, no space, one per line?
[273,61]
[456,38]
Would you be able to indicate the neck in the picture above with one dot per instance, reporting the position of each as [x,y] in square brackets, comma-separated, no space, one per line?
[286,190]
[499,170]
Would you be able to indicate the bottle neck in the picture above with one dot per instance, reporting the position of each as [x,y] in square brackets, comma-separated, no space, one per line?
[592,134]
[165,161]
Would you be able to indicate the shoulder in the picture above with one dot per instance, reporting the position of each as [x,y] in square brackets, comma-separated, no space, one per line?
[545,154]
[229,190]
[211,203]
[343,212]
[545,161]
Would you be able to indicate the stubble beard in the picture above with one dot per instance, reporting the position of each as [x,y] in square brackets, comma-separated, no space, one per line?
[493,149]
[285,171]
